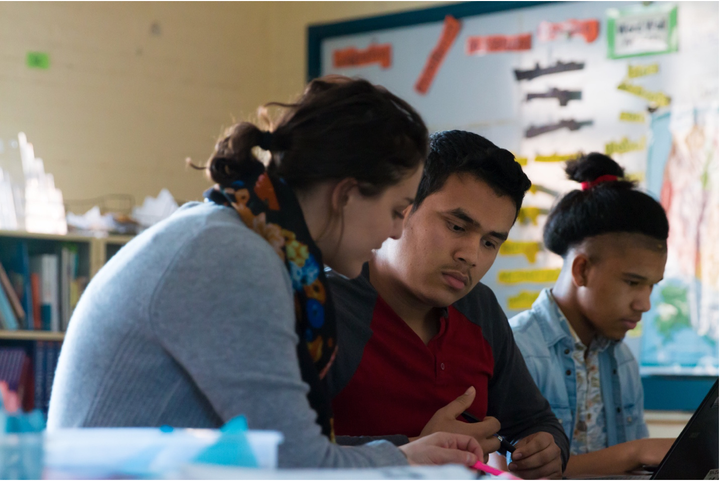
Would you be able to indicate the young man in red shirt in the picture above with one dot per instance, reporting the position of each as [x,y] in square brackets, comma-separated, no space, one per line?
[425,346]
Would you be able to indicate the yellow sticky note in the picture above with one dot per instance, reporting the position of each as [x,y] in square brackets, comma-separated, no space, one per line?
[557,157]
[524,300]
[528,275]
[638,117]
[530,214]
[635,71]
[624,145]
[528,249]
[659,99]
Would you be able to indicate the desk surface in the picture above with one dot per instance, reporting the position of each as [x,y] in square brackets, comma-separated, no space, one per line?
[666,424]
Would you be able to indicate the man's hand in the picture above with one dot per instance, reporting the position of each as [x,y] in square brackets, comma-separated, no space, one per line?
[537,456]
[445,420]
[443,448]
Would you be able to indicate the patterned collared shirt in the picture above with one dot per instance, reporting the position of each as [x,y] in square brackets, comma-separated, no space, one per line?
[590,430]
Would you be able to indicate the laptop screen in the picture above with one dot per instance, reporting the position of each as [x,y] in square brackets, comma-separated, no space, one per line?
[694,455]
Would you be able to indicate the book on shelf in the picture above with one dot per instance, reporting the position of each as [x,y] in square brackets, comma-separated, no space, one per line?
[54,289]
[39,374]
[16,262]
[51,357]
[12,296]
[46,266]
[29,374]
[8,320]
[11,362]
[70,283]
[16,373]
[27,393]
[42,290]
[35,287]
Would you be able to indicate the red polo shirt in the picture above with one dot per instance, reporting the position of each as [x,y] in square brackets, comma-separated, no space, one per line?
[401,382]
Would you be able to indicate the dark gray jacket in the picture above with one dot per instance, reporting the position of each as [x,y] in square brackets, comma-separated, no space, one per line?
[513,397]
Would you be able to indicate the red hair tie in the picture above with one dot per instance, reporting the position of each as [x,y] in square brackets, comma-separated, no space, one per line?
[602,178]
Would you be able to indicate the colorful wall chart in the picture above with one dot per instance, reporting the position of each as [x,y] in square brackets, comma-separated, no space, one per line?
[551,81]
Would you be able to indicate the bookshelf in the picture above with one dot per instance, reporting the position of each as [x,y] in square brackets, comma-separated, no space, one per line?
[105,248]
[26,335]
[34,347]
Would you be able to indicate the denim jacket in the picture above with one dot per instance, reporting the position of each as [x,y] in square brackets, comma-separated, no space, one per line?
[546,345]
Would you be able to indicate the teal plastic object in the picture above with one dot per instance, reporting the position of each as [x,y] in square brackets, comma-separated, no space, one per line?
[32,422]
[20,422]
[232,447]
[21,445]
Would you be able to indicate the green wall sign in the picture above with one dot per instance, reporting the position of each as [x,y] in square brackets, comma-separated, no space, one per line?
[38,60]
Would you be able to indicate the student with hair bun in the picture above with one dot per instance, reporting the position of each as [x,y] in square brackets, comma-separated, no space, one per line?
[224,309]
[613,241]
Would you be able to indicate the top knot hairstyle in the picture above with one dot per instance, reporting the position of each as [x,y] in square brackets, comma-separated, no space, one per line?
[338,128]
[605,205]
[460,152]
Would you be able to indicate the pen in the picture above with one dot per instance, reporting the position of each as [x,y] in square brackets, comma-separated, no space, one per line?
[504,443]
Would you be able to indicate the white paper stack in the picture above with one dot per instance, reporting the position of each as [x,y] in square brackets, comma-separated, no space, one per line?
[44,208]
[8,215]
[156,209]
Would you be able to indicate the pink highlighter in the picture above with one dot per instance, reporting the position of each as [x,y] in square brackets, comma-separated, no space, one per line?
[480,466]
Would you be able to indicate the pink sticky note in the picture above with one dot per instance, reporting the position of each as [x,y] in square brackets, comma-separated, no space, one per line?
[480,466]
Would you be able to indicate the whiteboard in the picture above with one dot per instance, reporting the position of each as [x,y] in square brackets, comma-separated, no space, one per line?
[482,94]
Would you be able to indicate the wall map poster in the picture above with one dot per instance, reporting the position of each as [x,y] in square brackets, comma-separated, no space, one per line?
[637,81]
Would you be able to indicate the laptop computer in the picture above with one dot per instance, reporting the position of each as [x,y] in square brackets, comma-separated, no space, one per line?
[694,455]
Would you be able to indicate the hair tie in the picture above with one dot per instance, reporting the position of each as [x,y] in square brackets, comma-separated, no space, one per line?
[266,139]
[599,180]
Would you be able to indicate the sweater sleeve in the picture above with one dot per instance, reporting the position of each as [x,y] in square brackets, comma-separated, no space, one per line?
[513,396]
[224,311]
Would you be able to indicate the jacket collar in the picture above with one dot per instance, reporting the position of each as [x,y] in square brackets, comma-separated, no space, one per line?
[550,319]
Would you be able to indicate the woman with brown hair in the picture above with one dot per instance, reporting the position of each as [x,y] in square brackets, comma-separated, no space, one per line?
[223,309]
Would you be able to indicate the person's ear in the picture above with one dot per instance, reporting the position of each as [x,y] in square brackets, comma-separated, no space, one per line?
[580,268]
[406,213]
[340,194]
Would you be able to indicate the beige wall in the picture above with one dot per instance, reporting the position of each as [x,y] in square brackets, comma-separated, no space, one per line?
[121,106]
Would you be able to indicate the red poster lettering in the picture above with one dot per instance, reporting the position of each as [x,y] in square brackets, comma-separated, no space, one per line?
[451,28]
[480,45]
[374,54]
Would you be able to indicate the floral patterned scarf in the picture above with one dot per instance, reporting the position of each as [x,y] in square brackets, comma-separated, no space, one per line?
[269,207]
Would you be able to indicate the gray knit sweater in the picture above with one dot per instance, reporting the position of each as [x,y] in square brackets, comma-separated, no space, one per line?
[190,325]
